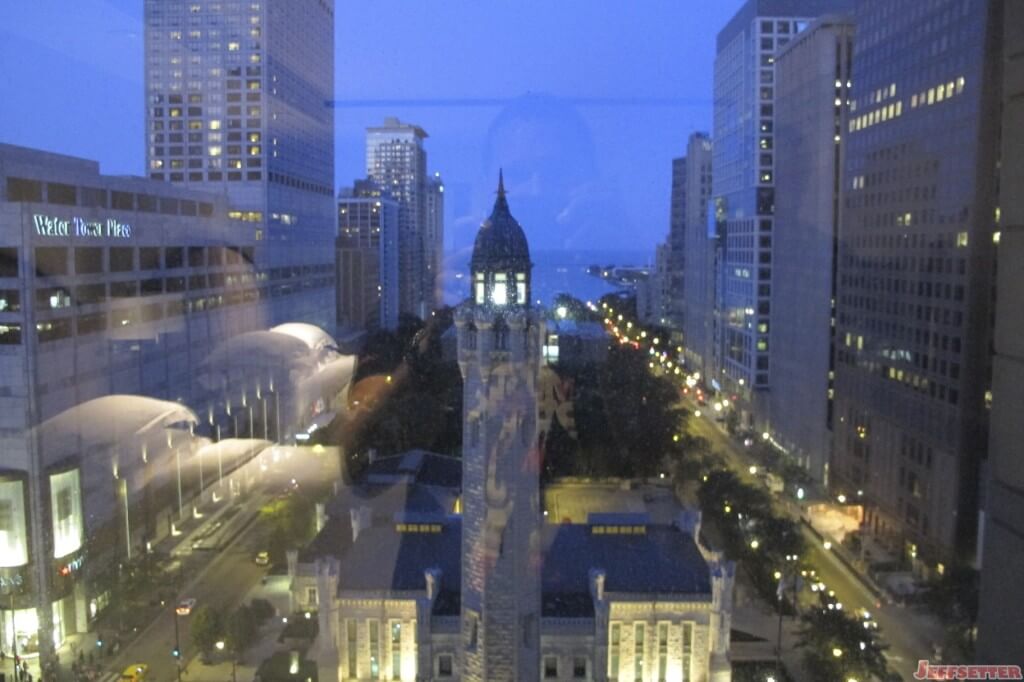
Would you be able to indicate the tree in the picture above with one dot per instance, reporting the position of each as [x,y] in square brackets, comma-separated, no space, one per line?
[838,647]
[724,488]
[241,630]
[575,309]
[732,422]
[641,413]
[781,537]
[277,545]
[953,597]
[413,396]
[207,630]
[261,610]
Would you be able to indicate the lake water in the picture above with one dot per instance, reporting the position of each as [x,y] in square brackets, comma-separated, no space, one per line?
[554,272]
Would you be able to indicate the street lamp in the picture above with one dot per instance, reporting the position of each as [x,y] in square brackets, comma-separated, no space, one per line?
[177,643]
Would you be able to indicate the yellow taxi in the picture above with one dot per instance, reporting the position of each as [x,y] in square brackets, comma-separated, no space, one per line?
[135,673]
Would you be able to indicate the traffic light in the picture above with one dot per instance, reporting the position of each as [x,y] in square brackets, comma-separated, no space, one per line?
[176,652]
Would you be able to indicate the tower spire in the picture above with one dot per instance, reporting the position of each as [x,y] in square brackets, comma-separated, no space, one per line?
[501,184]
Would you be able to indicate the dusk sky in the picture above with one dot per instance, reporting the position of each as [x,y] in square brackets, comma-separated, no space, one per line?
[583,102]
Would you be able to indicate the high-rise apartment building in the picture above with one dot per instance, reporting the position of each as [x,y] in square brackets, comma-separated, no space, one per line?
[1000,617]
[653,293]
[698,290]
[237,100]
[812,80]
[677,242]
[433,241]
[367,258]
[915,272]
[744,181]
[397,162]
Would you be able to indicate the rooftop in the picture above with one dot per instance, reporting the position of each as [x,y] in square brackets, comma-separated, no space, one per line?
[663,560]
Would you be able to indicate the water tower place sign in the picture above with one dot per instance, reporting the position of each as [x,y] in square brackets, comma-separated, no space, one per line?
[54,226]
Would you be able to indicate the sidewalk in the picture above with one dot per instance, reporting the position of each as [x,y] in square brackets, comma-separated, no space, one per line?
[276,592]
[177,550]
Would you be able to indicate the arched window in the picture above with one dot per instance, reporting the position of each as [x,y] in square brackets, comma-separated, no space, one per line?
[478,287]
[521,288]
[499,294]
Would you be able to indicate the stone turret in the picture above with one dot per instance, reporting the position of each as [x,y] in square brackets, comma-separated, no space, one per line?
[499,356]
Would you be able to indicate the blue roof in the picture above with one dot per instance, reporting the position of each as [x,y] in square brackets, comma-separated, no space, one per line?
[663,560]
[387,500]
[421,466]
[382,559]
[618,518]
[332,540]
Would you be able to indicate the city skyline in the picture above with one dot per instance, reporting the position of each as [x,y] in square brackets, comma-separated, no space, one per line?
[264,385]
[463,111]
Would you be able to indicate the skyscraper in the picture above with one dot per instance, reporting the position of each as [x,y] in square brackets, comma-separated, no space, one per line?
[677,242]
[915,273]
[434,241]
[812,77]
[367,258]
[1000,618]
[397,161]
[743,184]
[698,255]
[237,100]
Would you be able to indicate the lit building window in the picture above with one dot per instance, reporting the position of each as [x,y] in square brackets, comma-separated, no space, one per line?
[499,294]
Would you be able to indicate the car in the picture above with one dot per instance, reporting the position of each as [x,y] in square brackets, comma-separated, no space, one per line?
[262,559]
[185,606]
[134,673]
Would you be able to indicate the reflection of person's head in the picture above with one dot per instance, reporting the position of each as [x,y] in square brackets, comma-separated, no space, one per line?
[548,157]
[541,136]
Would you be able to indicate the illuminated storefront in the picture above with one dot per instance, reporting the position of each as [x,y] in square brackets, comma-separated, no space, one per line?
[13,535]
[66,511]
